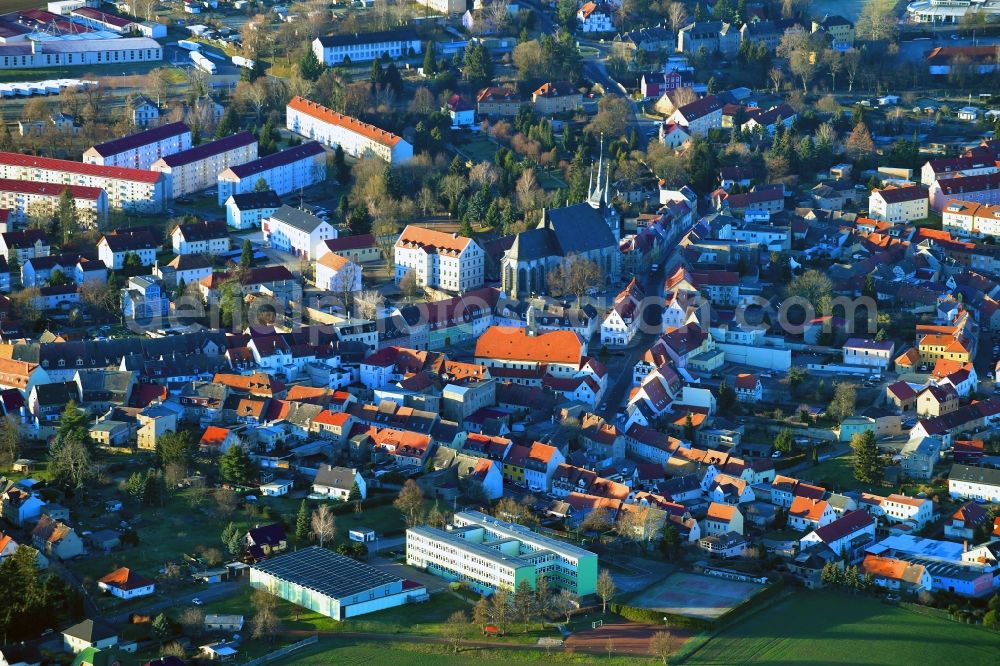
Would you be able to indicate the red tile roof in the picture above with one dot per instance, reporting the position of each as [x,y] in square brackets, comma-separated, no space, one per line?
[51,164]
[321,113]
[48,189]
[515,344]
[125,579]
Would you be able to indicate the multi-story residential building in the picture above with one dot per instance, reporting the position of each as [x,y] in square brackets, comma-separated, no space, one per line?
[532,466]
[198,168]
[975,162]
[898,205]
[246,211]
[439,260]
[699,116]
[969,219]
[977,483]
[556,97]
[134,190]
[114,247]
[847,536]
[357,138]
[144,298]
[595,17]
[623,319]
[498,102]
[26,199]
[337,274]
[492,554]
[34,54]
[360,249]
[335,49]
[840,30]
[26,244]
[297,232]
[872,353]
[203,237]
[142,149]
[897,508]
[712,36]
[446,7]
[982,189]
[143,111]
[286,171]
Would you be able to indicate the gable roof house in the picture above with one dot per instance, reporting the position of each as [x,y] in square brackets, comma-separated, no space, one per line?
[55,538]
[338,481]
[264,541]
[848,535]
[125,583]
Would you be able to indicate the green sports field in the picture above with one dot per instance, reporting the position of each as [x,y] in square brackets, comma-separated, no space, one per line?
[831,628]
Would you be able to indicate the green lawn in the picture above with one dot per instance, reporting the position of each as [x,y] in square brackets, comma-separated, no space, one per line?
[350,653]
[479,149]
[833,628]
[838,475]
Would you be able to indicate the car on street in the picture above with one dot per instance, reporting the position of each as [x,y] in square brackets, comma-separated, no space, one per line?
[197,602]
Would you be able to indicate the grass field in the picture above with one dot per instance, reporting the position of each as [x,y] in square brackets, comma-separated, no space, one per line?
[13,5]
[479,149]
[831,628]
[347,653]
[695,595]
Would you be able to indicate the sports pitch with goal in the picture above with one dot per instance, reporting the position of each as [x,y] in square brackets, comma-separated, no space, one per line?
[695,595]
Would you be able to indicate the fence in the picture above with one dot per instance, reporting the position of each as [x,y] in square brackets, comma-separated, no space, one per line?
[281,652]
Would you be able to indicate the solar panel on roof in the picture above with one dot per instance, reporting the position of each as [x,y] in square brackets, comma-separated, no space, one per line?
[326,572]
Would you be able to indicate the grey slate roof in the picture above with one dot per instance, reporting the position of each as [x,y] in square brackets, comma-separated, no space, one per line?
[335,477]
[299,219]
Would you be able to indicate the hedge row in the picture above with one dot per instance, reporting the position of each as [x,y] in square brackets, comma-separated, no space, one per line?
[650,616]
[772,590]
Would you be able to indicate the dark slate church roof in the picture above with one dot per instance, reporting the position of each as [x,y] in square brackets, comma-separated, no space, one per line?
[575,229]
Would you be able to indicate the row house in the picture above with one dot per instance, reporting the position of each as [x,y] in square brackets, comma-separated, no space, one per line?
[971,220]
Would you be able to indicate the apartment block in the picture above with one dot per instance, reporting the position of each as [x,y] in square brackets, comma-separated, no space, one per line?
[439,260]
[128,189]
[198,168]
[142,149]
[357,138]
[286,171]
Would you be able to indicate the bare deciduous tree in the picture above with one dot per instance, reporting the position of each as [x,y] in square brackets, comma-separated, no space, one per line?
[323,524]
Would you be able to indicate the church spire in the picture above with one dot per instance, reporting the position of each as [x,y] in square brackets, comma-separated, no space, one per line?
[594,194]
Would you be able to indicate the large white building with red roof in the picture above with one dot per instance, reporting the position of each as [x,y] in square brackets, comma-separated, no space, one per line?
[439,260]
[357,138]
[134,190]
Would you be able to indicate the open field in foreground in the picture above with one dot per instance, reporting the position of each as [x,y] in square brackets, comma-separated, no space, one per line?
[833,628]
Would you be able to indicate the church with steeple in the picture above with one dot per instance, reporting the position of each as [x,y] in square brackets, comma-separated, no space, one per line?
[590,229]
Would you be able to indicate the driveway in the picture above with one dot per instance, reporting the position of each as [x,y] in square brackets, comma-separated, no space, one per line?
[430,581]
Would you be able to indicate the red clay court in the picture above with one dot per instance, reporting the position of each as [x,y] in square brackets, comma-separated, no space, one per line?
[627,638]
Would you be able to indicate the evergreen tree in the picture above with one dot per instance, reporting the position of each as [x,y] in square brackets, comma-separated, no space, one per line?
[236,466]
[868,466]
[69,220]
[309,66]
[430,60]
[342,170]
[302,523]
[375,77]
[246,254]
[230,123]
[355,493]
[478,65]
[232,539]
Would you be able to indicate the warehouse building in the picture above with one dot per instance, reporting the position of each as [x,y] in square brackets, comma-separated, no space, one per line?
[286,171]
[332,584]
[142,149]
[357,138]
[489,553]
[133,190]
[198,168]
